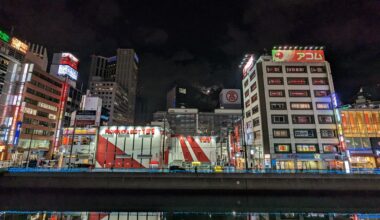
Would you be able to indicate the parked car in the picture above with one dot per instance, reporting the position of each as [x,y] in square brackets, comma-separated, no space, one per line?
[176,169]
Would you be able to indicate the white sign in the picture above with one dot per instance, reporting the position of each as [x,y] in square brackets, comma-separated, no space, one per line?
[66,70]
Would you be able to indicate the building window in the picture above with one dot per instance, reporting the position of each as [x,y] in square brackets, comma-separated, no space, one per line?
[274,69]
[253,86]
[247,103]
[252,76]
[276,93]
[321,93]
[295,69]
[282,148]
[254,98]
[328,133]
[325,119]
[248,114]
[255,109]
[301,106]
[245,83]
[246,93]
[297,81]
[299,93]
[303,119]
[278,105]
[323,105]
[280,133]
[305,133]
[317,69]
[320,81]
[275,81]
[307,148]
[330,148]
[279,119]
[256,122]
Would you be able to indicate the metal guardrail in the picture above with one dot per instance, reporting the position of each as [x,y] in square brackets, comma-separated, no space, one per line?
[155,170]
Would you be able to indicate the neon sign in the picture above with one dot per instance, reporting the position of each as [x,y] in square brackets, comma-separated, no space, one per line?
[298,55]
[4,37]
[248,68]
[19,45]
[69,59]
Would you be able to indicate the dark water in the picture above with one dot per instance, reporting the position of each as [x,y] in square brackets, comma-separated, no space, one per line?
[13,215]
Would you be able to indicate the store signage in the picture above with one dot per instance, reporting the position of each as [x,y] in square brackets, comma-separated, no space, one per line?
[66,70]
[79,131]
[205,139]
[360,150]
[4,37]
[298,55]
[69,59]
[19,45]
[232,96]
[17,133]
[143,131]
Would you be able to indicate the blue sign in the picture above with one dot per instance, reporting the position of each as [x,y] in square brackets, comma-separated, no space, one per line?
[360,150]
[17,134]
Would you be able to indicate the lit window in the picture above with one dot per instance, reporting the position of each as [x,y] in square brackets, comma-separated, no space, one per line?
[300,106]
[325,119]
[306,148]
[328,133]
[276,93]
[320,81]
[303,119]
[299,93]
[282,148]
[323,105]
[281,133]
[275,81]
[297,81]
[305,133]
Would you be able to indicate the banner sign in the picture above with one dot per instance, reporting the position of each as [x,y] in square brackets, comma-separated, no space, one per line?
[298,55]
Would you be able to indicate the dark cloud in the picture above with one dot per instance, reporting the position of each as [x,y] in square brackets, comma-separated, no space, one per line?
[202,42]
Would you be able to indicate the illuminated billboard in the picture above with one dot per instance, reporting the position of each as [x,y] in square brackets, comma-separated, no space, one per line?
[298,55]
[19,45]
[66,70]
[248,68]
[4,37]
[69,59]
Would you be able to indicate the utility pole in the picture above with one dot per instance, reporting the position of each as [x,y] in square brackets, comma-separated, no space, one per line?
[72,140]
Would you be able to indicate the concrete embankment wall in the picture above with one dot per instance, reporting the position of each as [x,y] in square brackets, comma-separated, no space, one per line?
[189,192]
[238,183]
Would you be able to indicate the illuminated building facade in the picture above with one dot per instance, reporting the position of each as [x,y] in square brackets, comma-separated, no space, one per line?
[289,113]
[360,123]
[13,75]
[40,115]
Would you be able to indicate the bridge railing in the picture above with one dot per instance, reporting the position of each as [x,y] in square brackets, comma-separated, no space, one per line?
[155,170]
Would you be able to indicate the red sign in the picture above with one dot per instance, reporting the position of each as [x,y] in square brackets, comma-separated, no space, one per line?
[205,139]
[298,55]
[232,96]
[69,59]
[144,131]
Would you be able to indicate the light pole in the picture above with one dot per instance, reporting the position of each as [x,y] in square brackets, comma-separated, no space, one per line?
[163,143]
[30,148]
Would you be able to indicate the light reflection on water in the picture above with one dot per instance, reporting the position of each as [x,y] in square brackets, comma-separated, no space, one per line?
[13,215]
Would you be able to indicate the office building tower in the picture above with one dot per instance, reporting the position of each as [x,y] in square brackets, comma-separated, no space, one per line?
[120,70]
[288,110]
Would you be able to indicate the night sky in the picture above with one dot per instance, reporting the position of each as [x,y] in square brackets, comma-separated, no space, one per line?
[202,42]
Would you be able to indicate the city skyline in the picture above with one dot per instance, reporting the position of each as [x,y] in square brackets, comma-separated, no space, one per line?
[215,40]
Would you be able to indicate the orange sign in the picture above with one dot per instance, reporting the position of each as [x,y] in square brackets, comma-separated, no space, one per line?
[19,45]
[298,55]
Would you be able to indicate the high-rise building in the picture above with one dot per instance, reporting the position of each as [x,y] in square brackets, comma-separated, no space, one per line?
[114,98]
[177,97]
[121,70]
[65,66]
[289,114]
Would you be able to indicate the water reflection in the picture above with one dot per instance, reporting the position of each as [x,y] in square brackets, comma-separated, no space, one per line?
[182,216]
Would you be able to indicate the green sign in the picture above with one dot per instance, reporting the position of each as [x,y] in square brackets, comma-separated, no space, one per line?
[4,36]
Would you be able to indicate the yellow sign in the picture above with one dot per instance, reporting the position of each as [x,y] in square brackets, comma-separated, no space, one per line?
[19,45]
